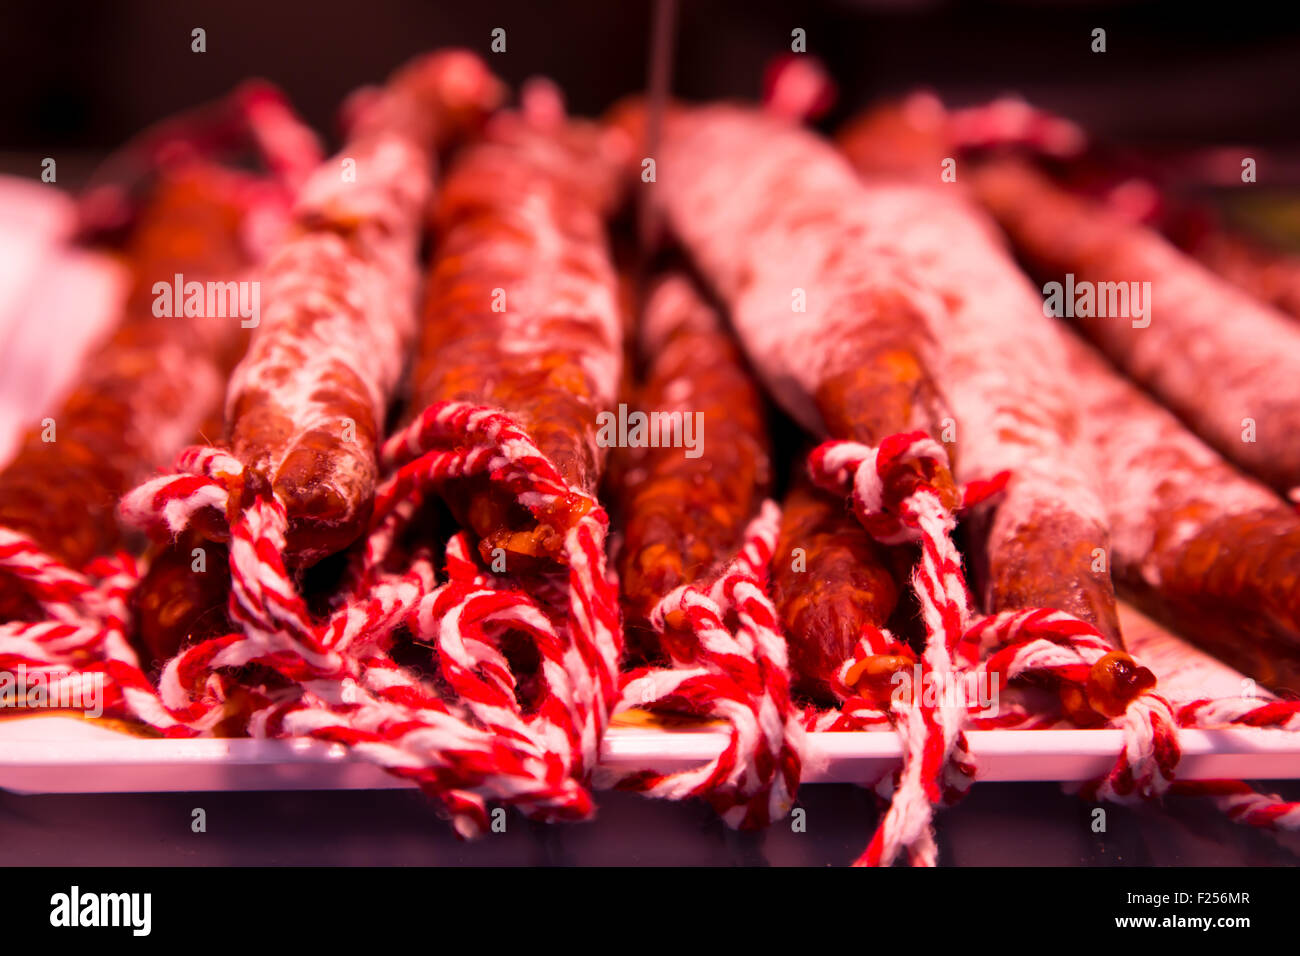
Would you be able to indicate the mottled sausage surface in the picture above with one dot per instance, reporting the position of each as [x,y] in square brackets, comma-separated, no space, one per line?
[182,598]
[146,392]
[522,309]
[683,510]
[829,580]
[1194,541]
[779,225]
[1004,371]
[774,218]
[1227,365]
[306,406]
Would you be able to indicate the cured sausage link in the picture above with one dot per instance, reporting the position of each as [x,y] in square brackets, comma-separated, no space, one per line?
[1043,542]
[773,218]
[1227,365]
[306,407]
[684,510]
[829,581]
[144,393]
[1195,541]
[522,310]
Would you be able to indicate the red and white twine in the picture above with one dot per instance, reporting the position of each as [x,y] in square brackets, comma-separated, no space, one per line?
[334,679]
[463,735]
[735,669]
[937,766]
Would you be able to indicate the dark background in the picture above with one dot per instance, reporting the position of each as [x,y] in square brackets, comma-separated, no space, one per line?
[997,824]
[84,76]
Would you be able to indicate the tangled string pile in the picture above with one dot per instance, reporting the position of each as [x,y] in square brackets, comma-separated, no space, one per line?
[463,733]
[734,668]
[284,674]
[1042,644]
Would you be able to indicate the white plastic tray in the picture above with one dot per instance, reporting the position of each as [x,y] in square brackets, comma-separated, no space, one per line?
[67,755]
[53,753]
